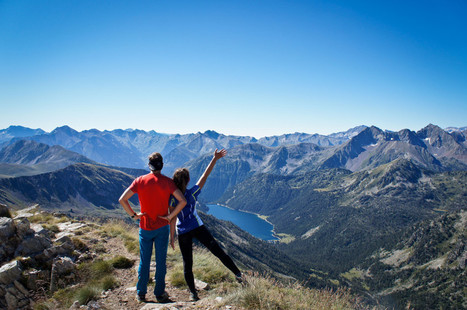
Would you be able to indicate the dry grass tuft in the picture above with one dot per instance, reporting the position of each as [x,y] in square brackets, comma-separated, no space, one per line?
[263,292]
[128,233]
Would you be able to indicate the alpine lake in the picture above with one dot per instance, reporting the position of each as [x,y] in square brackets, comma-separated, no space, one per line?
[249,222]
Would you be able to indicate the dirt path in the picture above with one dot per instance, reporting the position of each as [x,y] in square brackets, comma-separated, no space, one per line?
[123,297]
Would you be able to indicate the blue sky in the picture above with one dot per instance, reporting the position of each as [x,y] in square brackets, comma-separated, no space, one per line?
[256,68]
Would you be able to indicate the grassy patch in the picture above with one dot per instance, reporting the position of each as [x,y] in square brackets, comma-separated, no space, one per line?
[96,277]
[268,293]
[285,238]
[353,274]
[53,228]
[109,282]
[79,244]
[121,262]
[86,294]
[129,234]
[206,267]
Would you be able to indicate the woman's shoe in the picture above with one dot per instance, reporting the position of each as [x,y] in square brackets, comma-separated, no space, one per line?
[194,296]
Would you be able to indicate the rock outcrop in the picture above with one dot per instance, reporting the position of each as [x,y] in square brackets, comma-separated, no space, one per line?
[31,260]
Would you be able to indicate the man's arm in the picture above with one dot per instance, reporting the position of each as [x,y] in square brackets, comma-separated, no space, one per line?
[126,205]
[207,172]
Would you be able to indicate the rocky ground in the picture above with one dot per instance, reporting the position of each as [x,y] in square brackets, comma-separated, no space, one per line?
[61,245]
[123,297]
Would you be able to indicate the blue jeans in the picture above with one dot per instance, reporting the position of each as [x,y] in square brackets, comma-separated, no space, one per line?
[160,239]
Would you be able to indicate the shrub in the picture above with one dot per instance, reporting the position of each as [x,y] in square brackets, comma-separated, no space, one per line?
[109,282]
[176,278]
[94,270]
[64,296]
[42,306]
[86,294]
[53,228]
[121,262]
[79,245]
[100,268]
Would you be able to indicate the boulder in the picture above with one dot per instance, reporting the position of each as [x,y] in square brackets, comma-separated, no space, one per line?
[7,228]
[33,245]
[10,272]
[9,239]
[23,228]
[63,266]
[13,295]
[4,211]
[17,297]
[40,230]
[36,279]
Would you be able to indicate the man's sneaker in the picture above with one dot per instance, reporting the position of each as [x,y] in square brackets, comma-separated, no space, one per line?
[141,298]
[194,296]
[164,298]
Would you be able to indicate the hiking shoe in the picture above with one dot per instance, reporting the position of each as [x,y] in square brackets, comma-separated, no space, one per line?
[141,298]
[194,296]
[240,279]
[164,298]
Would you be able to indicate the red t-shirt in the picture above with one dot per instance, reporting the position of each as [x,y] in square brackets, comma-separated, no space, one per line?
[153,193]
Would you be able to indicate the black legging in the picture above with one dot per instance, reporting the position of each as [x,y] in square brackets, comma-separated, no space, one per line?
[186,247]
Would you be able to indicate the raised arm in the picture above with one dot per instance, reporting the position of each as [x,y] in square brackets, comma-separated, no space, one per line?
[204,177]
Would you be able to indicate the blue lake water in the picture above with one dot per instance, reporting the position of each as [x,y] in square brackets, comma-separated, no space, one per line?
[247,221]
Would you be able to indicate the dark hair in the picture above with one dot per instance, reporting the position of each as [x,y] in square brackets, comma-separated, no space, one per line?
[155,162]
[181,178]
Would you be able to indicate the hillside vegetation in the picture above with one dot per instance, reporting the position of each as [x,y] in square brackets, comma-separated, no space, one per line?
[376,211]
[106,278]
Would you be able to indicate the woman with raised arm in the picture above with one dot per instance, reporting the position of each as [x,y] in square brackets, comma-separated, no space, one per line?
[190,226]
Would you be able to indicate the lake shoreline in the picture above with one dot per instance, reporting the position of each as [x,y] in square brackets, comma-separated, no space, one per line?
[262,217]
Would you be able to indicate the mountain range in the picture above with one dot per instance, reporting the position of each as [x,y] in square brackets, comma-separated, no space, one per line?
[130,148]
[335,200]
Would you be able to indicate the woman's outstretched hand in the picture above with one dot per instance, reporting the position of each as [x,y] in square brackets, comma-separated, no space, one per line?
[220,154]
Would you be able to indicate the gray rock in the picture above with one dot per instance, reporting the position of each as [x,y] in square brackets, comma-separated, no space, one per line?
[200,285]
[11,301]
[21,288]
[33,245]
[4,211]
[23,228]
[7,228]
[36,279]
[27,212]
[17,297]
[40,230]
[10,272]
[63,239]
[64,266]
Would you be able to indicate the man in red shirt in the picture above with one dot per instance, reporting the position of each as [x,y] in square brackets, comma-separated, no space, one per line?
[154,190]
